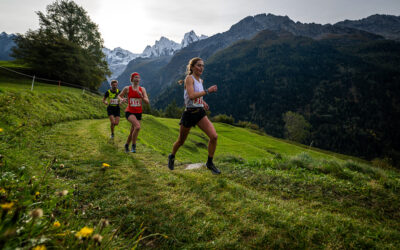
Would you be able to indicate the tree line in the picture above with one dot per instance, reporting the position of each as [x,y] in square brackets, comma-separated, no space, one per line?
[67,46]
[342,89]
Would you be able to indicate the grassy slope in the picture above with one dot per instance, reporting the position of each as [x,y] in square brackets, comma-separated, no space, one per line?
[261,200]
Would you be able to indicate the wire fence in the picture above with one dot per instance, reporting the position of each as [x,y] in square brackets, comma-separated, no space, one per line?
[59,82]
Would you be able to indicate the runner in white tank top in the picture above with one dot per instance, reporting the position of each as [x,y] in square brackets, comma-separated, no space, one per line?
[195,114]
[197,102]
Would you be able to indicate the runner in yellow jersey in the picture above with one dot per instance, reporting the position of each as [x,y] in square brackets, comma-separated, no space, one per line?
[111,99]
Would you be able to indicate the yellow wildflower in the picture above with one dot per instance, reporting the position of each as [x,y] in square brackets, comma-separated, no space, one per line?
[56,224]
[84,232]
[41,247]
[1,130]
[37,194]
[2,191]
[7,206]
[106,165]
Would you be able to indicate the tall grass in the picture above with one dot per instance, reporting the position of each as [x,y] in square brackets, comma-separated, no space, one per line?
[270,194]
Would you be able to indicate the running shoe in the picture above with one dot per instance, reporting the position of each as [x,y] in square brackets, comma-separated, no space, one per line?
[112,136]
[213,168]
[171,160]
[126,148]
[133,150]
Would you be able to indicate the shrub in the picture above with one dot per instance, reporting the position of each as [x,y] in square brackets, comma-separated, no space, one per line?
[384,163]
[246,124]
[224,119]
[173,111]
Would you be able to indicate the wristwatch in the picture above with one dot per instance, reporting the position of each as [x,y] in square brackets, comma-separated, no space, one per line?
[206,90]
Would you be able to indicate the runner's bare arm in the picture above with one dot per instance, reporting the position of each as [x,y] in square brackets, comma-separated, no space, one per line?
[189,82]
[206,107]
[145,97]
[104,100]
[121,95]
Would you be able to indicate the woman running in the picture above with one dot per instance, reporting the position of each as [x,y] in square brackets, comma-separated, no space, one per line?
[133,112]
[195,113]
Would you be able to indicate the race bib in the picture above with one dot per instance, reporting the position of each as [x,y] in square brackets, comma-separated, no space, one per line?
[113,101]
[135,102]
[198,101]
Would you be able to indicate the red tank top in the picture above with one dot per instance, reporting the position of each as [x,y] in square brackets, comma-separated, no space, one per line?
[134,101]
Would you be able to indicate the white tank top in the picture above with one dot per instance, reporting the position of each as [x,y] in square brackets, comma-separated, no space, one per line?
[198,102]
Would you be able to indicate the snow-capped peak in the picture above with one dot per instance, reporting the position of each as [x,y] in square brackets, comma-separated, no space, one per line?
[191,37]
[166,46]
[117,60]
[119,55]
[162,47]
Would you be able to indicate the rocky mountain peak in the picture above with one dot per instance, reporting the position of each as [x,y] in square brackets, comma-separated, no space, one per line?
[191,37]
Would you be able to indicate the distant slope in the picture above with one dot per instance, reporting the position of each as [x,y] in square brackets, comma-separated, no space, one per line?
[148,68]
[173,69]
[387,26]
[244,29]
[6,44]
[345,85]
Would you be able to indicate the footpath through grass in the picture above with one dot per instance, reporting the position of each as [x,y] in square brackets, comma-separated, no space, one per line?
[271,201]
[93,195]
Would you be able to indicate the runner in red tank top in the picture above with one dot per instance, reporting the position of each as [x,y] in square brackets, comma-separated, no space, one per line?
[133,112]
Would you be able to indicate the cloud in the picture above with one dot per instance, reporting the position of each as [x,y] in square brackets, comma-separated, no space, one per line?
[133,24]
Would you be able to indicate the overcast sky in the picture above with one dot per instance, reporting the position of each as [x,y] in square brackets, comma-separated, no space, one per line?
[133,24]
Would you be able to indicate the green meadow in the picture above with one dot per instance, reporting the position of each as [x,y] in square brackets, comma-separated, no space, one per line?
[57,158]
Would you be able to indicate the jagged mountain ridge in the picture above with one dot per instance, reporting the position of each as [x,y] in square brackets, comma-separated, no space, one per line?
[162,47]
[167,47]
[387,26]
[159,54]
[190,38]
[117,60]
[244,29]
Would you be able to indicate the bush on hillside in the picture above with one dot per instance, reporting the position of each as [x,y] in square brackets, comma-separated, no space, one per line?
[297,128]
[173,111]
[385,163]
[246,124]
[224,119]
[147,109]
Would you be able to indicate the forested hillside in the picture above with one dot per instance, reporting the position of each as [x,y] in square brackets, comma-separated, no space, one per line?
[346,86]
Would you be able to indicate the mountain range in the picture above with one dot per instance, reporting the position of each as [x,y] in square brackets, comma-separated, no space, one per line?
[385,25]
[167,47]
[342,80]
[248,27]
[6,43]
[119,58]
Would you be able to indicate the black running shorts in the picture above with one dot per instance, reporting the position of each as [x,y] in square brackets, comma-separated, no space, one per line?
[191,116]
[138,115]
[113,110]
